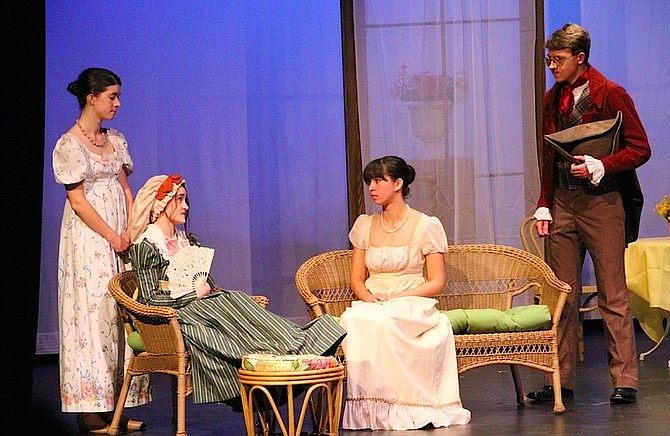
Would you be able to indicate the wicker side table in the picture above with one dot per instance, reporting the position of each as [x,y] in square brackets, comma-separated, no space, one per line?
[322,396]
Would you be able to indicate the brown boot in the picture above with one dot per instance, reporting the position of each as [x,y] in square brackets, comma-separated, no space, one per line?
[125,424]
[91,423]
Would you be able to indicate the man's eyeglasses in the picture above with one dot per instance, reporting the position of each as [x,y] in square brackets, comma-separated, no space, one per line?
[558,61]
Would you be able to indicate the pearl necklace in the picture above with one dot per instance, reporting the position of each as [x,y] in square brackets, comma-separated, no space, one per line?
[93,141]
[397,228]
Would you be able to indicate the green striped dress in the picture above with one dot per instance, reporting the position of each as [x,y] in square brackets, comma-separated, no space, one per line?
[222,327]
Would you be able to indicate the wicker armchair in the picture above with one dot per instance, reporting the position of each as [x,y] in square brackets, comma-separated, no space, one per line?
[531,243]
[164,349]
[478,276]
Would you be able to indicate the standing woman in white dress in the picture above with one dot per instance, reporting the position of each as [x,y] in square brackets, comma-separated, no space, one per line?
[401,358]
[93,164]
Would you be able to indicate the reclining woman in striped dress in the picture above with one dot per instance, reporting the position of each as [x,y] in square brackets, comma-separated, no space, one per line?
[219,325]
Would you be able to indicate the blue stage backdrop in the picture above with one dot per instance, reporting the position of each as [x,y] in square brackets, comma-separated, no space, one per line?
[244,98]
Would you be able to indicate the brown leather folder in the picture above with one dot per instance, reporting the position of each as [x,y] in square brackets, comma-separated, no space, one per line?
[597,139]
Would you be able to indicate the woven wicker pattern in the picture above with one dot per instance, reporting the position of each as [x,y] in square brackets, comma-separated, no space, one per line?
[478,276]
[165,351]
[323,398]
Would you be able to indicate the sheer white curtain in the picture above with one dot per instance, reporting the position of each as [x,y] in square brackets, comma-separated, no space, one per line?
[449,86]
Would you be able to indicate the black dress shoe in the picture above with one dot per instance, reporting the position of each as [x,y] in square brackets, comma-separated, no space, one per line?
[547,393]
[623,396]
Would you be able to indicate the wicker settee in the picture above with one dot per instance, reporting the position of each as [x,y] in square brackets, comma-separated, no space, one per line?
[479,276]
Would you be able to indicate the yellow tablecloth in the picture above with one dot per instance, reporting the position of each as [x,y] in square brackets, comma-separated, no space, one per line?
[648,279]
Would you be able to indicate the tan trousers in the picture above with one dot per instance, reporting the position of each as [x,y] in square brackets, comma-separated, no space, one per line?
[594,223]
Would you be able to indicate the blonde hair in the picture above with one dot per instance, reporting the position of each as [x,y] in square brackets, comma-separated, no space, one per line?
[573,37]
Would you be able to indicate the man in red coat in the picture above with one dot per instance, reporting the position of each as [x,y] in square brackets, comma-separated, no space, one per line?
[590,204]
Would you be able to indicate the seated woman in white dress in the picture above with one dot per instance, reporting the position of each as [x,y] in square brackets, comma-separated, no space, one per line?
[401,359]
[219,325]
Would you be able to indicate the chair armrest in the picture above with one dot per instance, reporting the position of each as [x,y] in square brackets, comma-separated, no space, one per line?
[262,300]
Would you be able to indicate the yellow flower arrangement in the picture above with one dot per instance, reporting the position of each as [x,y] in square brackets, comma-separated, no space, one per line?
[663,208]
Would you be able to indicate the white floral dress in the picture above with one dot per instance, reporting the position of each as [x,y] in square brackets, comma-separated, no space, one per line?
[91,359]
[401,358]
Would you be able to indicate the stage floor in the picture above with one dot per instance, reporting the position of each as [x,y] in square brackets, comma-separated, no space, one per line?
[487,392]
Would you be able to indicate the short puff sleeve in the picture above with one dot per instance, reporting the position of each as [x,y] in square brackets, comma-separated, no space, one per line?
[360,233]
[434,238]
[69,160]
[121,147]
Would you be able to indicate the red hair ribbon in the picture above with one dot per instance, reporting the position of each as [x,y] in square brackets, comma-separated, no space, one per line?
[166,187]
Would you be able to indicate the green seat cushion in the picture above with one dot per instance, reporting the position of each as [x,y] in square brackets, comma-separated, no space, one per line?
[135,342]
[516,319]
[458,319]
[531,317]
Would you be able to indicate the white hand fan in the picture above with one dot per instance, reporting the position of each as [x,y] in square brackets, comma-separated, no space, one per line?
[189,268]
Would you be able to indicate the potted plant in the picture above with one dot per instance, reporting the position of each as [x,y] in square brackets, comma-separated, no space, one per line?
[429,98]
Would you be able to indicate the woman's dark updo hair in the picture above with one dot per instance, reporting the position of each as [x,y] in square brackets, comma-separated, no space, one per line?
[92,81]
[393,168]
